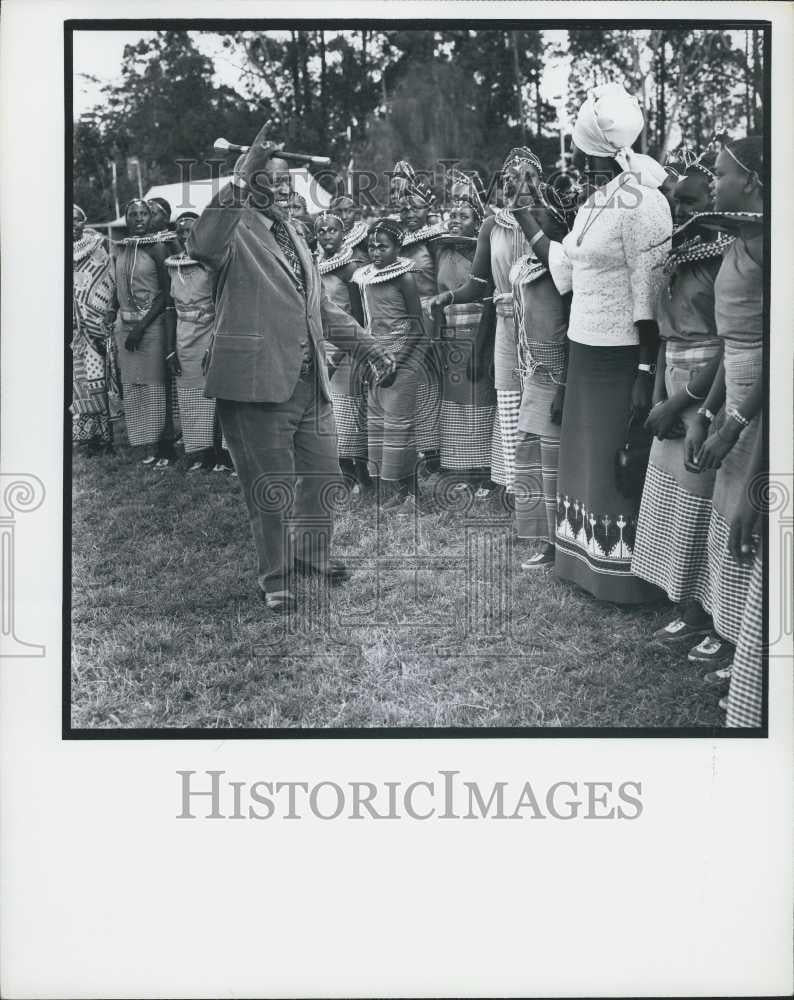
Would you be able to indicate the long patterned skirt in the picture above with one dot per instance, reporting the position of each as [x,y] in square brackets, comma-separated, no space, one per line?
[745,697]
[537,460]
[391,430]
[596,523]
[672,530]
[726,580]
[90,405]
[468,399]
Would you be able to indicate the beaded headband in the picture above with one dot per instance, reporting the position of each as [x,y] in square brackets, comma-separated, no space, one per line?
[328,215]
[473,193]
[522,154]
[722,142]
[137,201]
[691,161]
[389,226]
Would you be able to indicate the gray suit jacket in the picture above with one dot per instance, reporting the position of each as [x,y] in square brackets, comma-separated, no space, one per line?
[262,319]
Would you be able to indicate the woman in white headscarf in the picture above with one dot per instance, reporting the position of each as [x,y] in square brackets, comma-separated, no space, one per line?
[612,262]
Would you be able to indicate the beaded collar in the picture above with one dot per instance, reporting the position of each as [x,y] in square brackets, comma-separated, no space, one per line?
[504,217]
[358,232]
[164,236]
[425,233]
[180,260]
[85,246]
[721,220]
[697,249]
[329,264]
[527,269]
[370,275]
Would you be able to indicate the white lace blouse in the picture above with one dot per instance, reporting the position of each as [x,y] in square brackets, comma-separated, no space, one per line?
[612,261]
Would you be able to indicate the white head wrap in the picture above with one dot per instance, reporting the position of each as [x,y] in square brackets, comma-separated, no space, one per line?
[608,123]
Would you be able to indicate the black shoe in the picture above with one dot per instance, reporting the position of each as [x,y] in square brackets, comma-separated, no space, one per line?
[333,569]
[281,602]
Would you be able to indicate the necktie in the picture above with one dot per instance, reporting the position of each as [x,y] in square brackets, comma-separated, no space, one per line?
[287,247]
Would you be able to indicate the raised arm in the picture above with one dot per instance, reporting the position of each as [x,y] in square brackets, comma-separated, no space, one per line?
[211,235]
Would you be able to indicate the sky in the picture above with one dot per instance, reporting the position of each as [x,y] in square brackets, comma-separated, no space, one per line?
[99,53]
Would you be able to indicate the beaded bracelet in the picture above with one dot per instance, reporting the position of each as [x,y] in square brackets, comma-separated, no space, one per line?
[734,414]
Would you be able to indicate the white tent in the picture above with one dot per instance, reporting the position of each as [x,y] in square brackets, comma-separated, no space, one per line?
[194,196]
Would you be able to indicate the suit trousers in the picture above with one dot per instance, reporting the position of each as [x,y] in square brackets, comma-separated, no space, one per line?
[285,455]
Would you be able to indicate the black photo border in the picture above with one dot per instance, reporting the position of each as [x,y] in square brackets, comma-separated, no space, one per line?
[68,732]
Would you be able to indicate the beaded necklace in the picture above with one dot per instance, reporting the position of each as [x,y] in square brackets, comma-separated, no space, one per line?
[329,264]
[179,261]
[730,220]
[370,275]
[425,233]
[358,232]
[85,246]
[696,249]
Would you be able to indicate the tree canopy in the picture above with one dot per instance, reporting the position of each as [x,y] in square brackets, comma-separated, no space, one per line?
[377,96]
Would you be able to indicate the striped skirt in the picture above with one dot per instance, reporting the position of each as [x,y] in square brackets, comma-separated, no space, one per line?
[505,438]
[537,458]
[726,580]
[391,431]
[745,696]
[670,549]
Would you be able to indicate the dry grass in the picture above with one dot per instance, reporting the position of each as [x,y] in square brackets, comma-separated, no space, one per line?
[168,632]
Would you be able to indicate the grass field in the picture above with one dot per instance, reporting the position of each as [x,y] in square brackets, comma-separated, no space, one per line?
[168,631]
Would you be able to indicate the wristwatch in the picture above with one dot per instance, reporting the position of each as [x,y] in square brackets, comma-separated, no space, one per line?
[705,412]
[646,368]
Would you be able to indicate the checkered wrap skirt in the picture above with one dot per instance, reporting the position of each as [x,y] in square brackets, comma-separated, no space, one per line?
[745,697]
[671,546]
[466,435]
[350,414]
[428,414]
[670,549]
[145,409]
[505,438]
[197,415]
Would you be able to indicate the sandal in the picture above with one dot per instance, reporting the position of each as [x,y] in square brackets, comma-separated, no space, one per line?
[539,558]
[280,601]
[679,629]
[712,650]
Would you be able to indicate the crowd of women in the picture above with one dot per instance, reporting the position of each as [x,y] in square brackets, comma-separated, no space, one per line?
[584,350]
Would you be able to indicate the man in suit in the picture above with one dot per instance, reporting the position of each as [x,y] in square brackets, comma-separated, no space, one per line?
[265,368]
